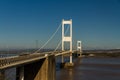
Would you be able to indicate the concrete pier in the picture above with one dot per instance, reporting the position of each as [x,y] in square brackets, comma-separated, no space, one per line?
[44,69]
[79,54]
[68,64]
[2,75]
[20,73]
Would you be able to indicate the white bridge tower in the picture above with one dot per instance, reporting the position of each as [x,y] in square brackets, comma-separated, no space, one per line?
[67,38]
[79,48]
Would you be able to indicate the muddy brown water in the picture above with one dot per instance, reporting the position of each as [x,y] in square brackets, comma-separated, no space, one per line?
[90,68]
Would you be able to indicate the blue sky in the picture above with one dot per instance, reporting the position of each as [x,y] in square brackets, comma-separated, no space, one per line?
[95,22]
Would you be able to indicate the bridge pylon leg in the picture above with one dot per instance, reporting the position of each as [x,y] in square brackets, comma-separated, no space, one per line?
[62,58]
[68,64]
[71,58]
[2,75]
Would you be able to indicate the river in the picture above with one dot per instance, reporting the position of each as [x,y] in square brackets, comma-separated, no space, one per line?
[87,68]
[92,68]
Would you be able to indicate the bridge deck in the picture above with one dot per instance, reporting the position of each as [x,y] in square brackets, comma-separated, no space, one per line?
[25,59]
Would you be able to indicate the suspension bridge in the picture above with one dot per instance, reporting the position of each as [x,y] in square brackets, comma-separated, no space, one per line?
[41,65]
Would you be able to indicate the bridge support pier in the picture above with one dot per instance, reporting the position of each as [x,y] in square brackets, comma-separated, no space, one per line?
[20,73]
[43,69]
[69,64]
[2,75]
[79,54]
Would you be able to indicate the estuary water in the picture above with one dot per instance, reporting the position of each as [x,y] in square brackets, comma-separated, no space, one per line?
[87,68]
[92,68]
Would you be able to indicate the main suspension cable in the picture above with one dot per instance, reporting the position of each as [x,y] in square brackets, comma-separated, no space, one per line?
[61,40]
[48,39]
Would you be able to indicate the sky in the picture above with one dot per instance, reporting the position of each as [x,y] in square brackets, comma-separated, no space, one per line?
[95,22]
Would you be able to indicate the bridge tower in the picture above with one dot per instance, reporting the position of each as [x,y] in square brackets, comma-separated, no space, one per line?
[67,38]
[79,48]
